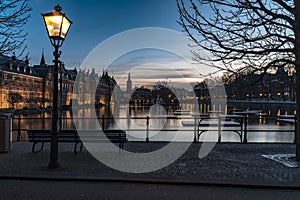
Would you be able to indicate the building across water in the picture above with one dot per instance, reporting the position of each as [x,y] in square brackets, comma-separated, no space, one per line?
[276,85]
[25,86]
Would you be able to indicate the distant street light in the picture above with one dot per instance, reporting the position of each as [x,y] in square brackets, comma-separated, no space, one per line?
[57,25]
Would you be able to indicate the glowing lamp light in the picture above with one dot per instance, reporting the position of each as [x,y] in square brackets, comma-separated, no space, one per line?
[57,25]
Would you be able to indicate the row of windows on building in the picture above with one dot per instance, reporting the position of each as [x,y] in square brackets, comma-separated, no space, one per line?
[35,84]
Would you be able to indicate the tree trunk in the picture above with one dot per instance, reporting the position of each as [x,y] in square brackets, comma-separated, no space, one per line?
[297,66]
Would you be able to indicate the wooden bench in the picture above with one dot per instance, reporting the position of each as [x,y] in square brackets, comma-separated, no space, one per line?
[110,135]
[72,136]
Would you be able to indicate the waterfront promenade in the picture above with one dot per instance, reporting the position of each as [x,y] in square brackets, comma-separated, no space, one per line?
[227,165]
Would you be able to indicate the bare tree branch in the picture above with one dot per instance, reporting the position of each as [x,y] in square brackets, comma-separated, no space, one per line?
[239,33]
[13,98]
[14,14]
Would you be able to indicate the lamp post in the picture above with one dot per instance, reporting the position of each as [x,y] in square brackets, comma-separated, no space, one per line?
[57,25]
[61,94]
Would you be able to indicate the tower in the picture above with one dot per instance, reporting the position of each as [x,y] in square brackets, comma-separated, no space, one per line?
[129,84]
[42,62]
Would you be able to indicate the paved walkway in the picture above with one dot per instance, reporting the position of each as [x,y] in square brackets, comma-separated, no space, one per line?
[62,190]
[229,171]
[227,164]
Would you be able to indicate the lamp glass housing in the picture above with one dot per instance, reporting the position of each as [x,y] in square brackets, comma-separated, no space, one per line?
[57,25]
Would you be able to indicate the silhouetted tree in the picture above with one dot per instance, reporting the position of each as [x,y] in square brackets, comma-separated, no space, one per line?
[13,98]
[260,34]
[13,16]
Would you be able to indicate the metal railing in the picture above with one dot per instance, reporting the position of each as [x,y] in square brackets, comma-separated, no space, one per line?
[17,122]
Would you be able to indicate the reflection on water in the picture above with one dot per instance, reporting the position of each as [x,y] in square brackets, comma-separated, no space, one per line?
[134,117]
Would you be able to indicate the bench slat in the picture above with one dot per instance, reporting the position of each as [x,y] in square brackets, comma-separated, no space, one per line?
[222,123]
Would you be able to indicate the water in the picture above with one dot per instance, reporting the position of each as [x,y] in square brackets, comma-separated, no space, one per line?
[133,119]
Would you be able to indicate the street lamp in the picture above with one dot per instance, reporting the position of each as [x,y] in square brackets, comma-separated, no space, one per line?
[57,25]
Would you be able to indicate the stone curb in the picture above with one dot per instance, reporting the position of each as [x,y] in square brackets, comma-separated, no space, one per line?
[163,181]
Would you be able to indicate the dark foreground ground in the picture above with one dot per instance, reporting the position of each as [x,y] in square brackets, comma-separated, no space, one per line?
[12,189]
[229,171]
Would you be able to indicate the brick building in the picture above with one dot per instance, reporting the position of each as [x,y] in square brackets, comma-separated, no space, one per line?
[35,84]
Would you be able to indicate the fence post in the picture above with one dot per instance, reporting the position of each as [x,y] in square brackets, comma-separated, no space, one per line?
[103,122]
[19,128]
[147,129]
[295,130]
[60,123]
[219,129]
[245,129]
[195,129]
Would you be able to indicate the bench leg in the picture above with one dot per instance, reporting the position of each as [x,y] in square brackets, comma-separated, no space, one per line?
[33,147]
[240,134]
[75,147]
[81,146]
[121,147]
[241,137]
[199,134]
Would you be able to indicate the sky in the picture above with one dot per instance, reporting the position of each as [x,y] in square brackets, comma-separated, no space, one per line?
[95,21]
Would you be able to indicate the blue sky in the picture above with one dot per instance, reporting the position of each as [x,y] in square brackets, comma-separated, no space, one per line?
[95,21]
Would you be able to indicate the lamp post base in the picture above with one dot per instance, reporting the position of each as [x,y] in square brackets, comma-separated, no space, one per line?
[53,165]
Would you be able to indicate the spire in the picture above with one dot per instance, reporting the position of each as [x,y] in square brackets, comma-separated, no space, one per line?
[27,60]
[43,59]
[129,84]
[13,57]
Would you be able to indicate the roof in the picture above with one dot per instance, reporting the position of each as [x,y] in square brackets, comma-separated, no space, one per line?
[108,80]
[41,71]
[11,64]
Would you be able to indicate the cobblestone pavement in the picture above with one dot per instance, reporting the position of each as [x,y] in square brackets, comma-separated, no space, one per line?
[226,163]
[54,190]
